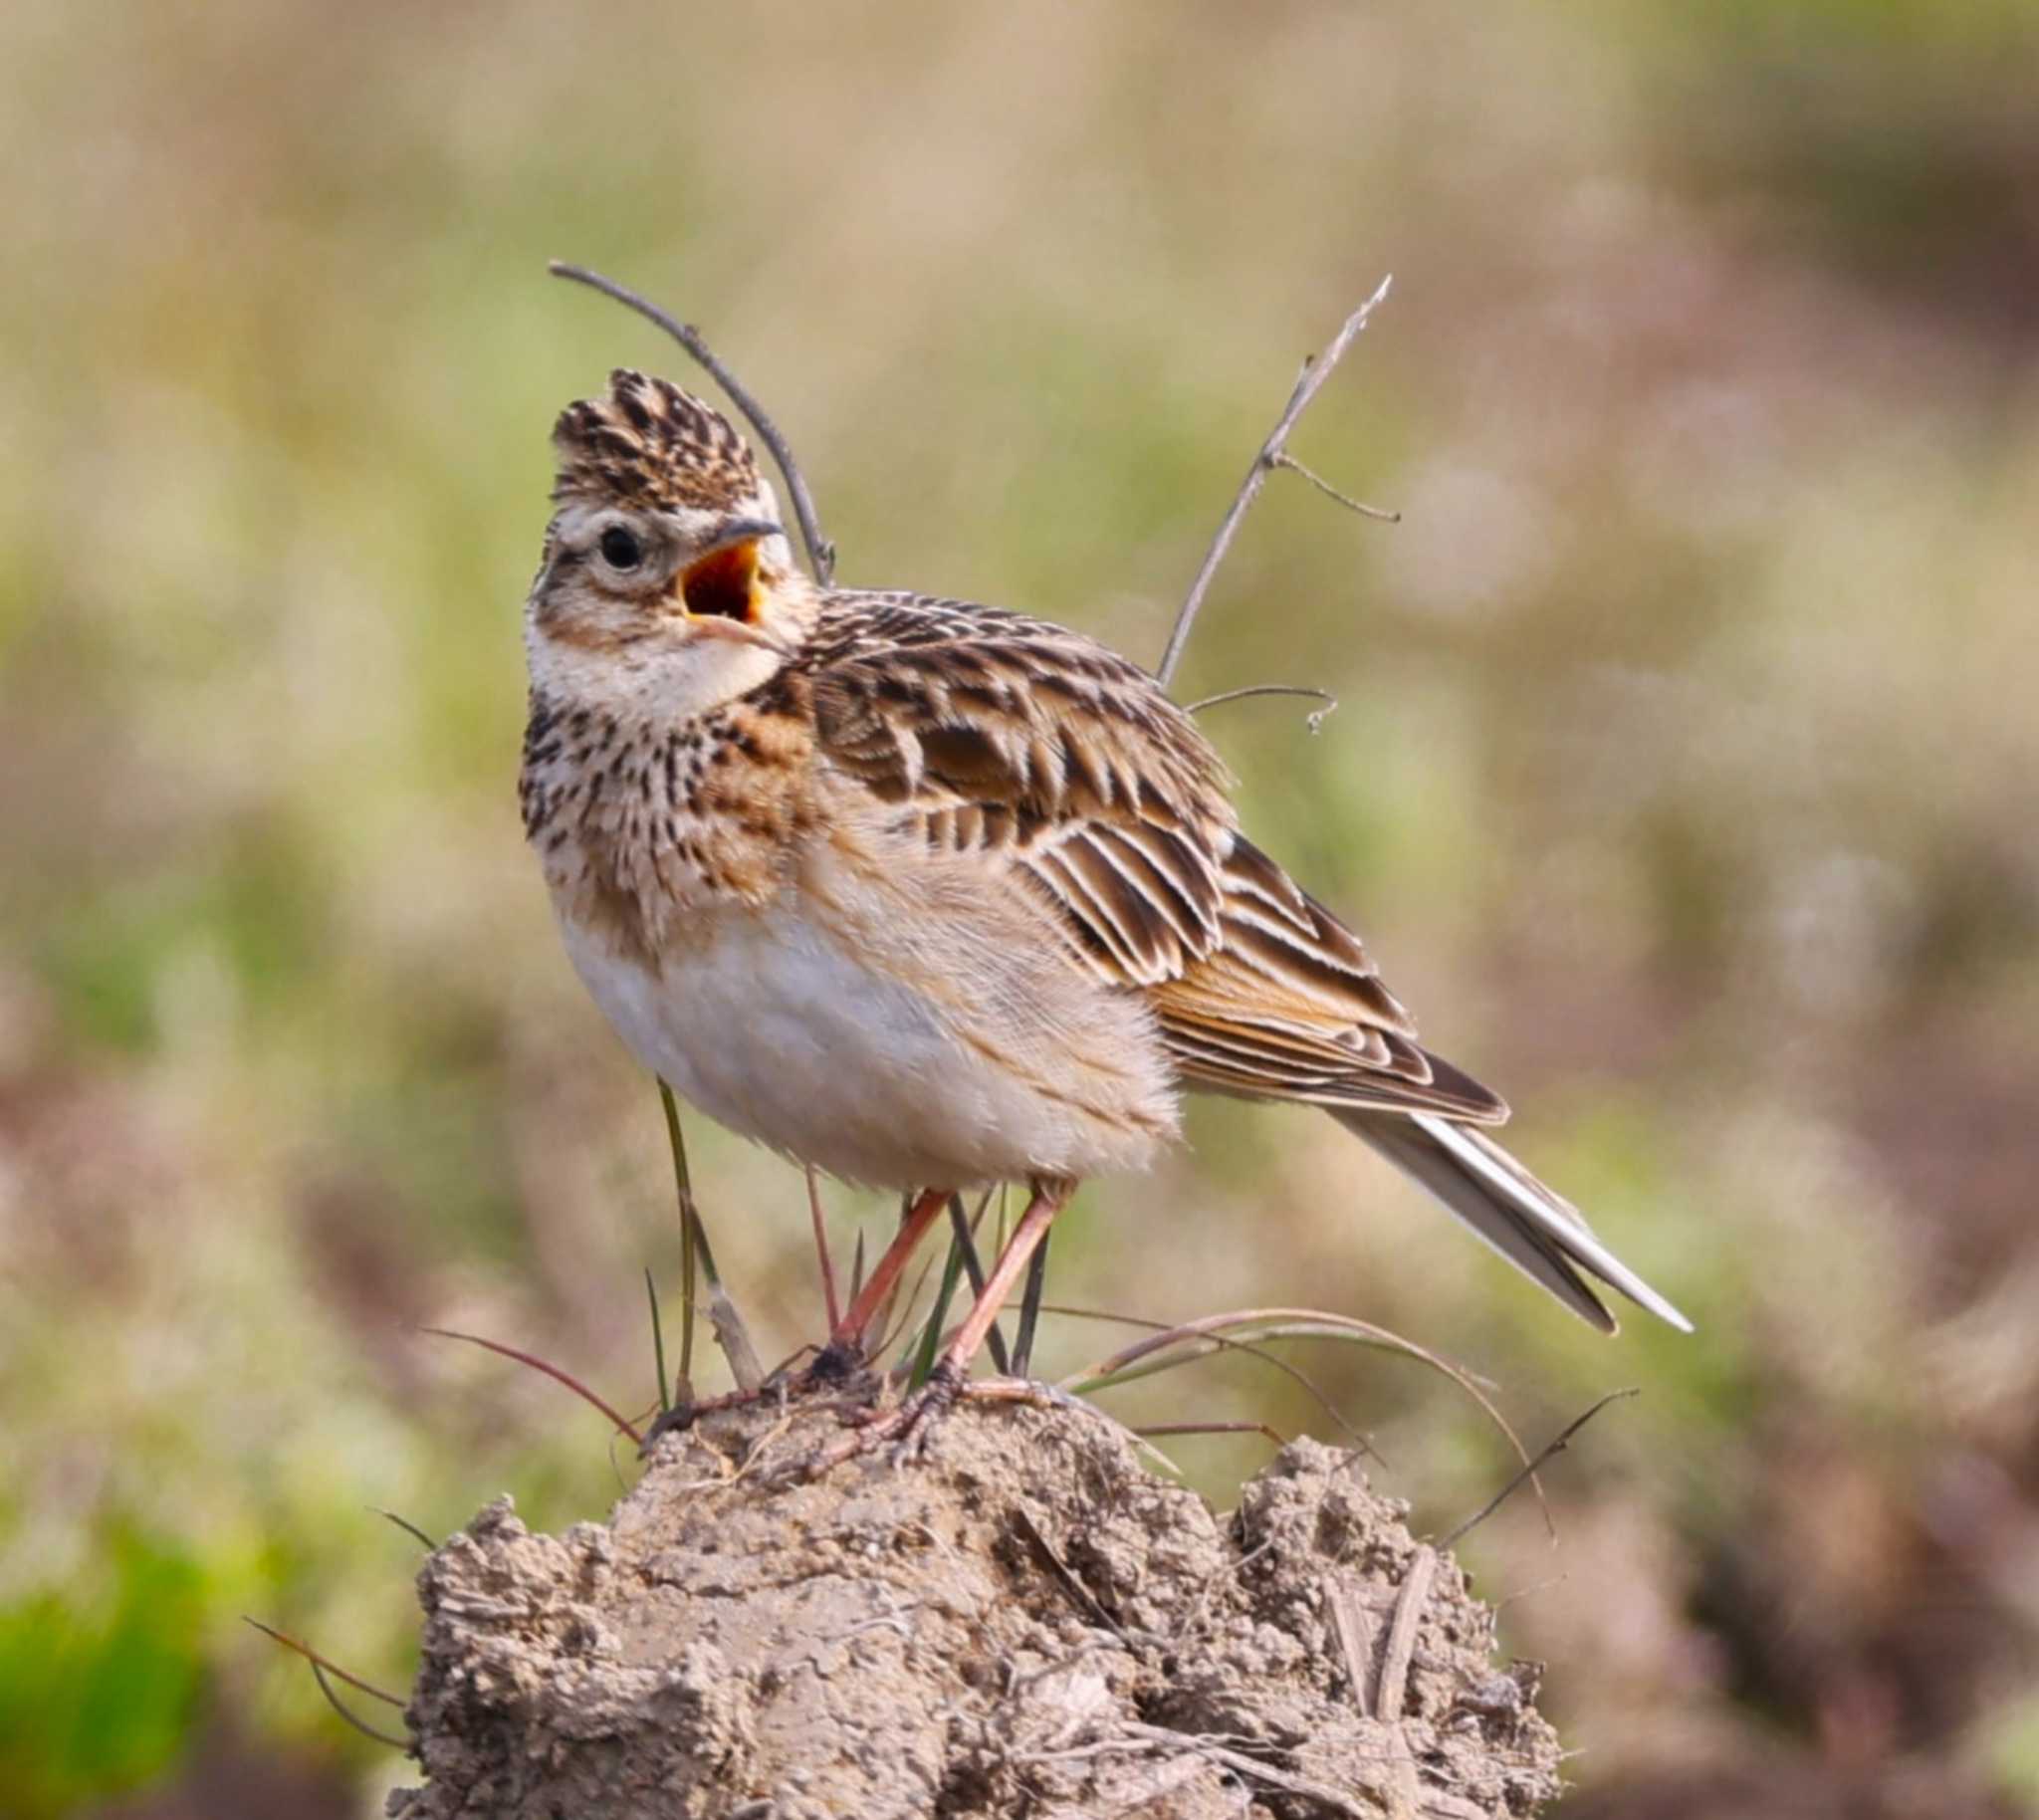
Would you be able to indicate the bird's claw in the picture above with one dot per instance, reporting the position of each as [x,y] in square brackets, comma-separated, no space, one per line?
[684,1413]
[836,1364]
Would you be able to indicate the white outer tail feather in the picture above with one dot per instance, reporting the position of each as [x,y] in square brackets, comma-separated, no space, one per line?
[1541,1234]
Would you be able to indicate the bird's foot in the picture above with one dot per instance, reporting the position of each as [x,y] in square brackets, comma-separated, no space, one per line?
[903,1432]
[835,1369]
[838,1363]
[681,1416]
[906,1430]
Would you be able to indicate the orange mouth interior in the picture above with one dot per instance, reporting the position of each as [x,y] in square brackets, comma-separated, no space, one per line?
[724,584]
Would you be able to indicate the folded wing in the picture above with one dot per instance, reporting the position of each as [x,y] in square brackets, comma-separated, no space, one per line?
[1064,766]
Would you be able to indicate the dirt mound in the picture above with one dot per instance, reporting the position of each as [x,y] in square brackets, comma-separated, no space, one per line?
[1023,1622]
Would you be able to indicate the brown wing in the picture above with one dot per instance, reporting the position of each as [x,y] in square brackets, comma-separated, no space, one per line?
[1042,751]
[1289,1006]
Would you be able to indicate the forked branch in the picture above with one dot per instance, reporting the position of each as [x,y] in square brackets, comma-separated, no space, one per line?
[821,553]
[1273,453]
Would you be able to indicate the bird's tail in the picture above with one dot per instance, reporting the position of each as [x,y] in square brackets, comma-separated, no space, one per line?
[1541,1234]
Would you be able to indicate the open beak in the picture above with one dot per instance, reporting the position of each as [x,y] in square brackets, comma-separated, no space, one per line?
[719,593]
[739,631]
[748,531]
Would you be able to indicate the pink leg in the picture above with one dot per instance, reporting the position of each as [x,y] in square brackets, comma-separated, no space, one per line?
[908,1425]
[849,1330]
[844,1353]
[1033,1229]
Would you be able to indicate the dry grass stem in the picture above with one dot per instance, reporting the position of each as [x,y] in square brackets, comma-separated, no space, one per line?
[1212,1428]
[723,1315]
[321,1668]
[1392,1686]
[827,1265]
[1355,1629]
[1314,720]
[1200,1337]
[1080,1595]
[1217,1342]
[1544,1455]
[733,1337]
[406,1525]
[623,1424]
[332,1699]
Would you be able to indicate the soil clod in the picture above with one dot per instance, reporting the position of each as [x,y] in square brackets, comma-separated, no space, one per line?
[1025,1621]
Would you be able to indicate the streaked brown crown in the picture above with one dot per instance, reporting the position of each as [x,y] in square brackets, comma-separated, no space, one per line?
[651,444]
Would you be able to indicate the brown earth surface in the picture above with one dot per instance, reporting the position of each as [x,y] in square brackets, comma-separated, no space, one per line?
[1023,1621]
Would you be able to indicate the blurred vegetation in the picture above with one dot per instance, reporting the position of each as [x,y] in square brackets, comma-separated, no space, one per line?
[1684,781]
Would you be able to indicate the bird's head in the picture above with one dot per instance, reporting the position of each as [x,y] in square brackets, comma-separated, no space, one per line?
[666,571]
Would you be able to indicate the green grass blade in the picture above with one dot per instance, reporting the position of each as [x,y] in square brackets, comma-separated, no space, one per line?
[657,1341]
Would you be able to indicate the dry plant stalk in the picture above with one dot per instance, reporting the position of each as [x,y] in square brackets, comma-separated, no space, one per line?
[1273,453]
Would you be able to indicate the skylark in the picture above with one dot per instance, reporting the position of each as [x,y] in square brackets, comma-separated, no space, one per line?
[930,895]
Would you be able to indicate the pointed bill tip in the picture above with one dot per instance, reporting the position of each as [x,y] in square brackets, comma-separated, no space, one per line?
[1665,1311]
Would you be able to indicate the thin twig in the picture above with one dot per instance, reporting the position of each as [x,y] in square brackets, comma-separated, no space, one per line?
[1314,722]
[1505,1600]
[324,1662]
[1544,1458]
[1308,385]
[581,1390]
[354,1719]
[1323,486]
[1214,1427]
[405,1523]
[821,553]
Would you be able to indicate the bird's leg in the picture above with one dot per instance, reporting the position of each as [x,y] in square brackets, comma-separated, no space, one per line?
[947,1382]
[1048,1200]
[844,1352]
[843,1355]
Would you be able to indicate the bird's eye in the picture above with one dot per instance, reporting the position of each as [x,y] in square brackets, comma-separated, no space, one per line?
[620,548]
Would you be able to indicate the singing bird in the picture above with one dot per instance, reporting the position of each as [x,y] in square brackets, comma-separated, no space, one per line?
[930,895]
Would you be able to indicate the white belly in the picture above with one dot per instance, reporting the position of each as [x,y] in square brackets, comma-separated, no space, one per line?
[779,1032]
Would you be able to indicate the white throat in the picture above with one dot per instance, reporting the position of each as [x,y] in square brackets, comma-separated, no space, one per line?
[670,683]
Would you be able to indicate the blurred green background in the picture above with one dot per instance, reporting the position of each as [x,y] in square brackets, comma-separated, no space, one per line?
[1684,781]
